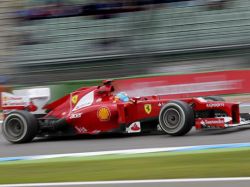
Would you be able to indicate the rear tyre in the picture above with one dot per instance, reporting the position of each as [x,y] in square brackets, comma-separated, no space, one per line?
[214,98]
[20,127]
[176,118]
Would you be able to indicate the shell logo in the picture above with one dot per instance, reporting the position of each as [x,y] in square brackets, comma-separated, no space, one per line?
[103,114]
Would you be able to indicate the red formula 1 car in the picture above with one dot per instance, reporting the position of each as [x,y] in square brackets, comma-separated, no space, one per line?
[98,109]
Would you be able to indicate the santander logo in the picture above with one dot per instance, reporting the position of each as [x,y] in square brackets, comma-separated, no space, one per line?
[135,128]
[211,122]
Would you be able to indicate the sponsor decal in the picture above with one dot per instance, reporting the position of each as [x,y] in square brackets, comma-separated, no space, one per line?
[148,108]
[212,121]
[1,116]
[5,99]
[147,89]
[103,114]
[75,116]
[81,130]
[74,99]
[134,127]
[215,105]
[12,100]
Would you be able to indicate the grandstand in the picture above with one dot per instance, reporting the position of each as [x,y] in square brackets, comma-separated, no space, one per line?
[164,30]
[5,29]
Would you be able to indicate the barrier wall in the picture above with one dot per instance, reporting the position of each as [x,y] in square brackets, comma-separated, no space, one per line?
[190,85]
[184,85]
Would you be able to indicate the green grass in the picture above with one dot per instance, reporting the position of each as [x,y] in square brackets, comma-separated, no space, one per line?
[153,166]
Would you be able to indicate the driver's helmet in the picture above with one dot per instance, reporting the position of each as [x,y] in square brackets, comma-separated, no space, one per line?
[122,96]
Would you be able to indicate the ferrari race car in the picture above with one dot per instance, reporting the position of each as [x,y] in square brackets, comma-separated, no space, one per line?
[99,109]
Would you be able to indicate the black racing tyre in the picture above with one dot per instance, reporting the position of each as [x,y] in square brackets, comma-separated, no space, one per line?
[176,118]
[214,98]
[20,127]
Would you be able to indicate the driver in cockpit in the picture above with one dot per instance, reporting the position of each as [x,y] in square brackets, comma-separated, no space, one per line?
[122,96]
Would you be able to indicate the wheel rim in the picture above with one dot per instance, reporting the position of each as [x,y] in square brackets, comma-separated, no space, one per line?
[171,118]
[15,128]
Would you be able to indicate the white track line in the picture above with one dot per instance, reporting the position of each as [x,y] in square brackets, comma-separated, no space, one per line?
[127,152]
[130,182]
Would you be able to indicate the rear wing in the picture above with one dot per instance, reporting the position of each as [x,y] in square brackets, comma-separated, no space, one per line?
[21,99]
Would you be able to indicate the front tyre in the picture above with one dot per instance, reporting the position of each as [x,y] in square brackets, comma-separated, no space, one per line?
[20,127]
[176,118]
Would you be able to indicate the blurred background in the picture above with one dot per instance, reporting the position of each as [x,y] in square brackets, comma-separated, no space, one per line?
[45,41]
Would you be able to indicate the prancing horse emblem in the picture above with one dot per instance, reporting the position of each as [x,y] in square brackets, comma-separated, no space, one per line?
[74,99]
[148,108]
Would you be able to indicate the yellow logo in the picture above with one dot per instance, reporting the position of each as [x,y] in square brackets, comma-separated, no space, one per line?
[148,108]
[1,116]
[103,114]
[74,99]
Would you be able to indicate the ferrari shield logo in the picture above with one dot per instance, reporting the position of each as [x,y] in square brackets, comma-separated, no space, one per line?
[74,99]
[148,108]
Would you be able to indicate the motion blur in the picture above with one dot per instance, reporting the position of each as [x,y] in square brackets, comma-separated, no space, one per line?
[81,78]
[44,41]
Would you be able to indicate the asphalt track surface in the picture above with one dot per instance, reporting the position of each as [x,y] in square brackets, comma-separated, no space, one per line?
[121,142]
